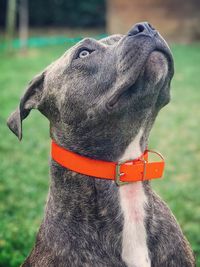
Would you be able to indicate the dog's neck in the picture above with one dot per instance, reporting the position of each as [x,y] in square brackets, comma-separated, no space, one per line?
[70,190]
[88,203]
[104,147]
[76,201]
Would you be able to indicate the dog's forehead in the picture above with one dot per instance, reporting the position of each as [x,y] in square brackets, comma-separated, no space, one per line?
[103,42]
[65,59]
[86,42]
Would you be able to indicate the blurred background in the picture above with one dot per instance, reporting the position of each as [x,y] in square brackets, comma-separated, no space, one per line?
[34,33]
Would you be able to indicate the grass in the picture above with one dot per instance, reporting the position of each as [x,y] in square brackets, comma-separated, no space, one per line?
[24,166]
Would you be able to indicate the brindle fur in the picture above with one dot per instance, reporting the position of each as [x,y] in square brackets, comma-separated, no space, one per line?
[83,222]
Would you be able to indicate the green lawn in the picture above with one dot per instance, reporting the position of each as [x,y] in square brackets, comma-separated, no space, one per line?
[24,166]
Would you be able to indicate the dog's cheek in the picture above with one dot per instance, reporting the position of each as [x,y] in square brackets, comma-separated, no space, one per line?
[72,113]
[50,110]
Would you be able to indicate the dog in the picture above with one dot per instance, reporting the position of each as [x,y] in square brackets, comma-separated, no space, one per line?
[102,98]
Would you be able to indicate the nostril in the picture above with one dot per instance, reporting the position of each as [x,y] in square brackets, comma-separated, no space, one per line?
[140,27]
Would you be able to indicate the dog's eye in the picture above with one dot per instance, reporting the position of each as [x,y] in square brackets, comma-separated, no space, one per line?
[84,53]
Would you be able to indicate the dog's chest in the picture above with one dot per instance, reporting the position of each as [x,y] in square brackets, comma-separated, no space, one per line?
[133,200]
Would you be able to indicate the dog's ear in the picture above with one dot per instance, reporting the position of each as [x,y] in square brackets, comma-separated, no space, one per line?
[30,100]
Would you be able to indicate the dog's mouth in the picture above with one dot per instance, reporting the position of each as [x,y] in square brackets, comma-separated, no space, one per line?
[156,69]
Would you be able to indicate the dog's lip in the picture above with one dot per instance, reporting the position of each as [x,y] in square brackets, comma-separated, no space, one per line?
[164,50]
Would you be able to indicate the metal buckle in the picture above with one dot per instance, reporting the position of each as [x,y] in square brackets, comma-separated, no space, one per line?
[144,169]
[118,174]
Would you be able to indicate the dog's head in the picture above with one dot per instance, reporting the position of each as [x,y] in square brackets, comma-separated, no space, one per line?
[99,94]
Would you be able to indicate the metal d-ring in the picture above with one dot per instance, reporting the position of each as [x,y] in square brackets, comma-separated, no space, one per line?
[157,153]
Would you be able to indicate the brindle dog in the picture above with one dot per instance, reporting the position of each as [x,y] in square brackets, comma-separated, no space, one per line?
[102,98]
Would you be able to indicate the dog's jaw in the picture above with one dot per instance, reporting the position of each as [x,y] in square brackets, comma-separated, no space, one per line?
[133,201]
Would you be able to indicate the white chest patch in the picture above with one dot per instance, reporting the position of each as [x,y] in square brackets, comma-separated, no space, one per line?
[132,200]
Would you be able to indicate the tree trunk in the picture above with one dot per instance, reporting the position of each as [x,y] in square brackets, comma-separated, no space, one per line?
[23,24]
[10,22]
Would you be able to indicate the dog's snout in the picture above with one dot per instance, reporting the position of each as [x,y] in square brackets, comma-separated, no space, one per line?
[142,28]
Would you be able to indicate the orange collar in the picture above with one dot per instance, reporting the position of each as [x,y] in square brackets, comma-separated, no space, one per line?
[139,169]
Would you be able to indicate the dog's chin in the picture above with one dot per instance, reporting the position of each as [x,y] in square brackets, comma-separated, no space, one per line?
[156,66]
[154,71]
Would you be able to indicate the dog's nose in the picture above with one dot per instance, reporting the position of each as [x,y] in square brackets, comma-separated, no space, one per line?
[142,28]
